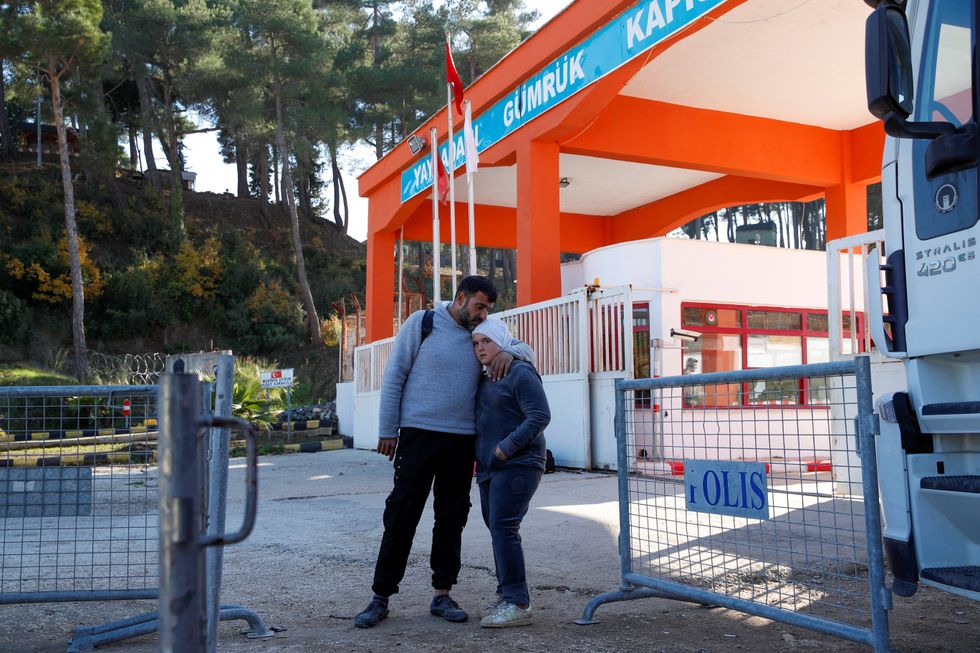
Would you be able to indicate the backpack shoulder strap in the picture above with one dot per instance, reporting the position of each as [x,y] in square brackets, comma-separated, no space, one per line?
[426,325]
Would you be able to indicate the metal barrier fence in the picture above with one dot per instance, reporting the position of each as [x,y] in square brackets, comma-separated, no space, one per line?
[79,502]
[769,511]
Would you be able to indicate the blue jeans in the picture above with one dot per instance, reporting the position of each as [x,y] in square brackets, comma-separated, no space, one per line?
[504,498]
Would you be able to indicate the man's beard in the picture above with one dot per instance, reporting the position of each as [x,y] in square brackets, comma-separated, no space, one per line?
[466,321]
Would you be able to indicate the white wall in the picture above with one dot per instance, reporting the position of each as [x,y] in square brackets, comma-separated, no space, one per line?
[345,408]
[667,272]
[366,409]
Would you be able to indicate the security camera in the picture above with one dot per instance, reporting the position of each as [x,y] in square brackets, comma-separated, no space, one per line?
[415,144]
[685,335]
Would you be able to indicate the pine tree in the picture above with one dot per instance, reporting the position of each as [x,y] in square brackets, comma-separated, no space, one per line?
[60,35]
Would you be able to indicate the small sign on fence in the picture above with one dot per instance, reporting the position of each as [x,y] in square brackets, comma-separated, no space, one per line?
[727,487]
[277,378]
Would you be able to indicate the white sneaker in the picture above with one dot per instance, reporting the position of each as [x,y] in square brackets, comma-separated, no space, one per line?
[507,614]
[497,600]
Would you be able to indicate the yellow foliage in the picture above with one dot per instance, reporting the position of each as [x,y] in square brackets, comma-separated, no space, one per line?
[55,286]
[90,215]
[200,271]
[15,268]
[270,296]
[330,330]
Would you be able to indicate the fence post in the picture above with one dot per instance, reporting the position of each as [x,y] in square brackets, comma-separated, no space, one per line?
[183,596]
[218,446]
[880,594]
[622,454]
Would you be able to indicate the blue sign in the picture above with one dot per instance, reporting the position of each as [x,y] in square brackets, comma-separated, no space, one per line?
[630,34]
[726,487]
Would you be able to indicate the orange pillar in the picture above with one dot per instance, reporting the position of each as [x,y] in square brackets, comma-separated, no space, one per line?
[847,210]
[538,223]
[380,285]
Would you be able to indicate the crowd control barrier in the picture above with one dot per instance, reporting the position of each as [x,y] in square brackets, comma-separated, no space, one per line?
[79,502]
[770,509]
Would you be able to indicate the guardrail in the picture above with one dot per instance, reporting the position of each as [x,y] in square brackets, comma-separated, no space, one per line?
[91,531]
[849,291]
[737,521]
[582,332]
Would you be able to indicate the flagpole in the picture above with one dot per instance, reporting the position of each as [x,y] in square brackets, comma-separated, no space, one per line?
[452,186]
[434,143]
[470,217]
[401,264]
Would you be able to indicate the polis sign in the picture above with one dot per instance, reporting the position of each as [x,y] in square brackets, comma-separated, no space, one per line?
[727,487]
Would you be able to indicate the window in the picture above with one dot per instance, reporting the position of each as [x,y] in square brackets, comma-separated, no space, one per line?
[945,91]
[641,351]
[736,338]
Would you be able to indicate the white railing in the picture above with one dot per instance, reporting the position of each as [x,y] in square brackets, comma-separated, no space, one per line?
[611,332]
[849,291]
[369,365]
[576,334]
[553,329]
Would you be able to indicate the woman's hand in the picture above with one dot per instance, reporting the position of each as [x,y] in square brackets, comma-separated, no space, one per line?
[499,454]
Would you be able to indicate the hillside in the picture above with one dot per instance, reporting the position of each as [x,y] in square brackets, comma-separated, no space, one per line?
[229,283]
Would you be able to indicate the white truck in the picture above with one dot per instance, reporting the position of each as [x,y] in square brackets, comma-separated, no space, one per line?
[929,443]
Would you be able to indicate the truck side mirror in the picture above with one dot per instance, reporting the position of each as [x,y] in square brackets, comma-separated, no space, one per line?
[888,62]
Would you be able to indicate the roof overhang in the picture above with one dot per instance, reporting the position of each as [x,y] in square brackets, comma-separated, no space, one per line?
[753,72]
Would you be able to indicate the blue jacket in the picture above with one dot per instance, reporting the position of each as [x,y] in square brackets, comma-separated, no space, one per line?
[511,413]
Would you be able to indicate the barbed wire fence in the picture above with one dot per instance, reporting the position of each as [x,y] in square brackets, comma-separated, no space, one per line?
[126,369]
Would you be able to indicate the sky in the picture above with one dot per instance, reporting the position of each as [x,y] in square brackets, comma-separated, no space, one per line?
[214,175]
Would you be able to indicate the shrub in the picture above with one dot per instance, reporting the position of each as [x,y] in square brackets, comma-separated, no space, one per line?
[15,319]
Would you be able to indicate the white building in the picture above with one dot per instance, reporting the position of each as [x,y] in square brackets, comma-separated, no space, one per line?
[749,306]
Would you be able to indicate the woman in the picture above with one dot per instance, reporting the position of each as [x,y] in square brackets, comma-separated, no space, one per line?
[511,415]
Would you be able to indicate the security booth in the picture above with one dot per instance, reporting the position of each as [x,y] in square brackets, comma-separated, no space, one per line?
[617,123]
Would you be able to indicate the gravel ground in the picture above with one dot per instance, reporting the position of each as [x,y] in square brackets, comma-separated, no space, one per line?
[307,569]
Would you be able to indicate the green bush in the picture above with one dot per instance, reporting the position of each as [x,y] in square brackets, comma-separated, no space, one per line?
[15,319]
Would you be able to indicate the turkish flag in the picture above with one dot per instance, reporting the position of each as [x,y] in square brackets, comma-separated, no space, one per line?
[452,78]
[443,182]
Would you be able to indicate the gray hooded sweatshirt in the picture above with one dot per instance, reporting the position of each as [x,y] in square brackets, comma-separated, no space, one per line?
[433,386]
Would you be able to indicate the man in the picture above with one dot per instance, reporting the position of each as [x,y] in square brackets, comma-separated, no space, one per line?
[427,425]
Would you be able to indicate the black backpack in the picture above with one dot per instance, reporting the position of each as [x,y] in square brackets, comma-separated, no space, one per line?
[426,325]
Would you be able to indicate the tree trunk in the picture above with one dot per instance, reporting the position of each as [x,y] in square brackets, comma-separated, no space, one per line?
[146,115]
[71,229]
[343,196]
[307,296]
[105,170]
[173,156]
[794,216]
[379,130]
[133,148]
[8,149]
[275,168]
[264,185]
[339,192]
[508,268]
[241,163]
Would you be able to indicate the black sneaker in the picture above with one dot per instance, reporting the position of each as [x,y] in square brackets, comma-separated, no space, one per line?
[444,606]
[376,611]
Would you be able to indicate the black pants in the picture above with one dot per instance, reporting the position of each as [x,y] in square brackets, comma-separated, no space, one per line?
[424,460]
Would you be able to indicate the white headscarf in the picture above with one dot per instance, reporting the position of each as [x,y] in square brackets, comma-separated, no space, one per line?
[496,330]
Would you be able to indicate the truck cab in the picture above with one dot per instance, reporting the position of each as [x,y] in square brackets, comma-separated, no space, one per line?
[922,70]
